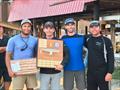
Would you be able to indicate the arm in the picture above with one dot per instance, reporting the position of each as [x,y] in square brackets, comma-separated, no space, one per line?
[86,39]
[8,58]
[65,56]
[9,52]
[85,57]
[36,48]
[110,60]
[2,49]
[110,57]
[65,59]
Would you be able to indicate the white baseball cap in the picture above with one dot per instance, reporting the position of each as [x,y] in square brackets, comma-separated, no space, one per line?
[26,21]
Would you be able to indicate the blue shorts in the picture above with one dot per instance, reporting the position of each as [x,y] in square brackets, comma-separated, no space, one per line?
[5,75]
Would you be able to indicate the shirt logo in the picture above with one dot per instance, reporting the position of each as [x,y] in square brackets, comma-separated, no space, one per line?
[98,43]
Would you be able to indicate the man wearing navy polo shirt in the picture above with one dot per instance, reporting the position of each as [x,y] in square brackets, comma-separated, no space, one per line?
[3,68]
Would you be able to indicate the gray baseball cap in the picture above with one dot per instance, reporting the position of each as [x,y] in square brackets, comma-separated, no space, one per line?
[94,23]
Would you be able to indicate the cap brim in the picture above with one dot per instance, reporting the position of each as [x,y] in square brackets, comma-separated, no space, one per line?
[26,22]
[69,22]
[94,24]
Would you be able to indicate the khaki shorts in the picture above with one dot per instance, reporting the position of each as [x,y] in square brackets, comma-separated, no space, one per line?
[29,80]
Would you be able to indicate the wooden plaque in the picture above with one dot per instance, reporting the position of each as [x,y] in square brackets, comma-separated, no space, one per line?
[22,67]
[50,53]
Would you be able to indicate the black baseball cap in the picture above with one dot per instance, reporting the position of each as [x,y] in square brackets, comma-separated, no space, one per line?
[49,24]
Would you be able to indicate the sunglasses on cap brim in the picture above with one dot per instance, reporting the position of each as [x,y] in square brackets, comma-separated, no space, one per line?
[95,25]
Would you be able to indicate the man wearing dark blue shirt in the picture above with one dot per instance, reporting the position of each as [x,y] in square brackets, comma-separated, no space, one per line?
[74,70]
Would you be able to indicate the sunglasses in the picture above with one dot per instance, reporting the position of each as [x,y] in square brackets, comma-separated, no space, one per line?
[25,47]
[91,26]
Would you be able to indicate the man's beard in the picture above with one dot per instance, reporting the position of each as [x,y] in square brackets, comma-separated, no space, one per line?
[25,33]
[71,31]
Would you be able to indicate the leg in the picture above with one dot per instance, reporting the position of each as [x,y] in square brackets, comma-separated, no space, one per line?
[80,80]
[30,89]
[68,80]
[1,84]
[31,81]
[1,80]
[55,81]
[100,77]
[44,81]
[91,82]
[7,79]
[20,82]
[103,85]
[7,85]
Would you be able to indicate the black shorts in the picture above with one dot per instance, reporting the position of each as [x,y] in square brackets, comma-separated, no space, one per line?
[5,75]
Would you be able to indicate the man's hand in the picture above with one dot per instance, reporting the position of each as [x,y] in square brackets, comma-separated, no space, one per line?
[2,49]
[59,67]
[108,77]
[11,73]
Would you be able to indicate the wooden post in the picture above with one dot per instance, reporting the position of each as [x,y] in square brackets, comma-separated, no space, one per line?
[112,30]
[77,25]
[58,29]
[96,10]
[86,30]
[34,28]
[4,10]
